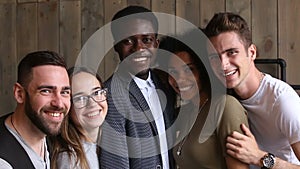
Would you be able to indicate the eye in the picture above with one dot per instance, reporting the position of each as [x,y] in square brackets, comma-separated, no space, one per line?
[79,99]
[46,91]
[100,92]
[66,93]
[232,52]
[127,41]
[97,93]
[213,56]
[148,40]
[187,70]
[172,71]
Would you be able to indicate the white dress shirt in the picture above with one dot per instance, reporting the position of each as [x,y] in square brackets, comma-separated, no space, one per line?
[150,94]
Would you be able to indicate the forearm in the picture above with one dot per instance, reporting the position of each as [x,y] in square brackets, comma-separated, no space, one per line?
[281,164]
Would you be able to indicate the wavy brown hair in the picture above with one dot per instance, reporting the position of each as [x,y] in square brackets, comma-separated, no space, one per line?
[72,133]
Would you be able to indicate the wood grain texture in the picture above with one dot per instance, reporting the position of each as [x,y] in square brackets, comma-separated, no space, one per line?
[8,59]
[66,25]
[70,30]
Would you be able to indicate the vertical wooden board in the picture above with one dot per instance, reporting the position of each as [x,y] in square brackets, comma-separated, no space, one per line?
[111,59]
[26,1]
[241,7]
[26,28]
[8,1]
[144,3]
[165,6]
[69,31]
[48,1]
[167,21]
[8,59]
[208,8]
[264,29]
[92,17]
[289,37]
[189,10]
[48,26]
[111,7]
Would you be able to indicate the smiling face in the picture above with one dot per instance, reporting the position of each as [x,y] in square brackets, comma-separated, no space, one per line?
[93,114]
[184,76]
[230,59]
[138,50]
[47,98]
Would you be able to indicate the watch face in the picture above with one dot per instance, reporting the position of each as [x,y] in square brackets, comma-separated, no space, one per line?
[269,161]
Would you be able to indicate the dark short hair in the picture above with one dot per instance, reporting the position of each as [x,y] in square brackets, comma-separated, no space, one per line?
[144,13]
[34,59]
[226,22]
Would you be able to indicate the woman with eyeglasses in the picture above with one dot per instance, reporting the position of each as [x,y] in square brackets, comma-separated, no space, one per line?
[76,146]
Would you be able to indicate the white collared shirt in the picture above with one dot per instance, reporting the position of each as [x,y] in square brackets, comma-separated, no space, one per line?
[148,89]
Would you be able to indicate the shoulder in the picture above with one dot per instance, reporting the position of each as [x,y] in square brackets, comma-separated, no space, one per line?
[234,112]
[232,105]
[277,87]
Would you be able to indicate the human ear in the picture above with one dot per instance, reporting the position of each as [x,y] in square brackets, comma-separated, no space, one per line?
[19,93]
[156,44]
[252,51]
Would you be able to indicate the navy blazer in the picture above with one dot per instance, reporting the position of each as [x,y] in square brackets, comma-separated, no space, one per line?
[129,135]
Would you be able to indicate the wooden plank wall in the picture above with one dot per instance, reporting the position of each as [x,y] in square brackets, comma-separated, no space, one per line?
[65,25]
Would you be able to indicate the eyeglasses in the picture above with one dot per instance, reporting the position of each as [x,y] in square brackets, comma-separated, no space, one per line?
[82,101]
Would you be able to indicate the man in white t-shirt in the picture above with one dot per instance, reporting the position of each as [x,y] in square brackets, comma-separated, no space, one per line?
[273,106]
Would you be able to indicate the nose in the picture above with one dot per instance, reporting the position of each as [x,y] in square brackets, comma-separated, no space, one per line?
[181,77]
[139,45]
[57,100]
[224,62]
[91,102]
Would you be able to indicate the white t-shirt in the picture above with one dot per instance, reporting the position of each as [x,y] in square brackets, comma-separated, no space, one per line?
[274,117]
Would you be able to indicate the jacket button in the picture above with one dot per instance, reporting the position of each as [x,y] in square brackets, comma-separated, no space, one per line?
[158,167]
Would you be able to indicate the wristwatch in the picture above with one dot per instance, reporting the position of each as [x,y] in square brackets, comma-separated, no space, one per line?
[268,161]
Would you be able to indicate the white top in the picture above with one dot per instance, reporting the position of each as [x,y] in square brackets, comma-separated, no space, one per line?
[90,150]
[274,117]
[150,94]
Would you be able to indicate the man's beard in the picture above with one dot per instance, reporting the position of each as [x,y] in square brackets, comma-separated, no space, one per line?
[48,128]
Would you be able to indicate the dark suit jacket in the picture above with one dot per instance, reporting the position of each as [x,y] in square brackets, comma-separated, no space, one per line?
[129,133]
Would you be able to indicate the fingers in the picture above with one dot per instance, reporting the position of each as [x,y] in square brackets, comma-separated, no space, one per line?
[231,153]
[247,131]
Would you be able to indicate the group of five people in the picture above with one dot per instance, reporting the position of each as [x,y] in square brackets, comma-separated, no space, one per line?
[134,119]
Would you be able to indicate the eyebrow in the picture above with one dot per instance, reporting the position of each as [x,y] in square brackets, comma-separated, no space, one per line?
[81,93]
[230,49]
[53,87]
[227,50]
[46,87]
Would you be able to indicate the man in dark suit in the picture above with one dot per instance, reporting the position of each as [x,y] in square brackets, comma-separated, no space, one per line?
[140,113]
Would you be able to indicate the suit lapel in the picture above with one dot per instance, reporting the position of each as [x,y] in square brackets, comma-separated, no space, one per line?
[138,100]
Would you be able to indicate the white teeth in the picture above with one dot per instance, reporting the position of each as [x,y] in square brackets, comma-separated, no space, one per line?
[93,114]
[183,89]
[55,114]
[229,73]
[140,59]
